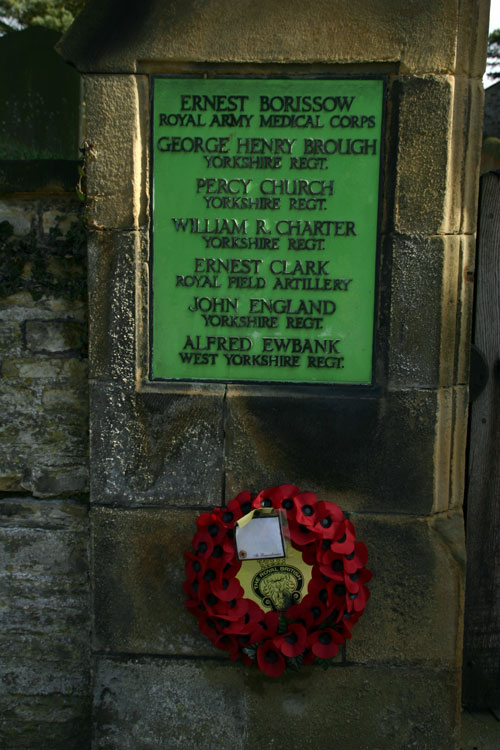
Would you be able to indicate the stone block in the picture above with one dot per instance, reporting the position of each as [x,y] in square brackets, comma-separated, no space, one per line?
[112,296]
[11,340]
[416,284]
[365,452]
[472,37]
[156,448]
[29,551]
[52,722]
[44,646]
[117,128]
[55,337]
[419,39]
[21,306]
[44,435]
[138,572]
[56,515]
[429,311]
[141,704]
[24,468]
[451,440]
[423,185]
[45,479]
[456,310]
[19,213]
[465,152]
[414,612]
[30,368]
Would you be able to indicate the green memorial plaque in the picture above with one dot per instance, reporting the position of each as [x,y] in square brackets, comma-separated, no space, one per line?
[265,216]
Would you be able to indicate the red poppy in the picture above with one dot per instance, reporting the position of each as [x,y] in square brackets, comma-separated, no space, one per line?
[270,659]
[228,516]
[266,627]
[274,497]
[357,558]
[328,518]
[195,566]
[343,541]
[309,555]
[300,615]
[227,588]
[211,525]
[203,544]
[263,499]
[205,519]
[221,554]
[196,607]
[208,627]
[233,611]
[300,534]
[317,609]
[293,642]
[332,566]
[305,507]
[357,601]
[325,643]
[323,591]
[349,619]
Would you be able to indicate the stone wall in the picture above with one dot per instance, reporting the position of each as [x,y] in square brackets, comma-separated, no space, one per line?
[44,690]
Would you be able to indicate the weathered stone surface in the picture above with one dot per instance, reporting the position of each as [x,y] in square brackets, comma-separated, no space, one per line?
[420,38]
[414,612]
[117,115]
[18,213]
[112,296]
[10,337]
[416,267]
[55,337]
[138,570]
[156,448]
[465,152]
[46,369]
[44,643]
[151,703]
[471,51]
[436,124]
[342,447]
[43,389]
[21,306]
[457,308]
[422,182]
[429,312]
[40,212]
[449,457]
[43,438]
[45,723]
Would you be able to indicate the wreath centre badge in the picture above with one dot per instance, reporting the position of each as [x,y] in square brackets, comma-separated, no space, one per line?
[276,583]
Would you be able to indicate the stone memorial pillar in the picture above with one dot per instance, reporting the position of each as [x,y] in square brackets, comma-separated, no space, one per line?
[281,199]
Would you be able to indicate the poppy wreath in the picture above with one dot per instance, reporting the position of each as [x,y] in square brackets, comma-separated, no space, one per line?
[312,630]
